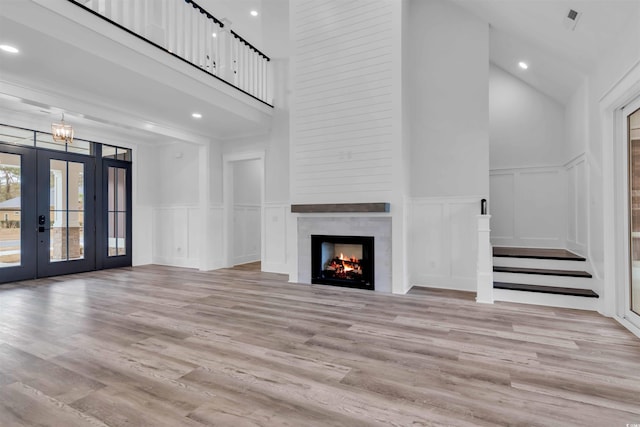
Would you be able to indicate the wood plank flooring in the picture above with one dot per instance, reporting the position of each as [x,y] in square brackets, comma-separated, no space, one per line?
[162,346]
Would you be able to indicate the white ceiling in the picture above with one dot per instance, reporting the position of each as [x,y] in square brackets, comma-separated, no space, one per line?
[533,30]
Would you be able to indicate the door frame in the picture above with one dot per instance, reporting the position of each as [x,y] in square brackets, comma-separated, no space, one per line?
[628,313]
[88,262]
[227,198]
[615,195]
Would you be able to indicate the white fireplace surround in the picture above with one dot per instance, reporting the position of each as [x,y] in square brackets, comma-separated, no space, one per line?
[377,227]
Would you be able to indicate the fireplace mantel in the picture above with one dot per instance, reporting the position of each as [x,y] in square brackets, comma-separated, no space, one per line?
[341,208]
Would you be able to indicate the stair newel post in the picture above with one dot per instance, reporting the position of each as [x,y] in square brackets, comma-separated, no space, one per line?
[484,272]
[226,54]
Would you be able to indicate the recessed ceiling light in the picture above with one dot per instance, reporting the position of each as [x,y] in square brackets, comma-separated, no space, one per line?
[196,115]
[8,48]
[214,35]
[523,65]
[254,13]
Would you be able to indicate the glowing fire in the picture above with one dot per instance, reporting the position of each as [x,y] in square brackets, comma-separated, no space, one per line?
[344,267]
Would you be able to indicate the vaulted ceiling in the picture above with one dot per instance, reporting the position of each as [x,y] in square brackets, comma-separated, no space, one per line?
[534,31]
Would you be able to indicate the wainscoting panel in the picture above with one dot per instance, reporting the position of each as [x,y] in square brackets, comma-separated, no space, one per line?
[274,259]
[216,239]
[174,243]
[443,242]
[177,236]
[529,207]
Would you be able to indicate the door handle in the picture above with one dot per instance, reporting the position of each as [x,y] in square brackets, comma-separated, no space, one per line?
[42,220]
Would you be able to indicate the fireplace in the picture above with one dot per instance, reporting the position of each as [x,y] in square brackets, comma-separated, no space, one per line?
[342,261]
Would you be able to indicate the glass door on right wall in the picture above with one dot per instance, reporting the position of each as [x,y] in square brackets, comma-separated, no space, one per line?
[115,246]
[633,132]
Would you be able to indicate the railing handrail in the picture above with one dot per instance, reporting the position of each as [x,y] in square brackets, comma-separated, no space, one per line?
[203,11]
[252,47]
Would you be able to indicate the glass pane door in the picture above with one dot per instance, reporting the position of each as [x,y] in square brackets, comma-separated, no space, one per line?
[116,206]
[633,126]
[10,209]
[66,216]
[17,254]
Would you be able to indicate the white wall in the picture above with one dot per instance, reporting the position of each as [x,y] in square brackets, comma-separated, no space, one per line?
[529,207]
[529,188]
[527,127]
[577,123]
[144,197]
[343,101]
[448,69]
[447,72]
[176,215]
[176,174]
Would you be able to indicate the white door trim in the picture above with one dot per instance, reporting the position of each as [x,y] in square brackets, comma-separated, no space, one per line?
[627,313]
[227,197]
[614,172]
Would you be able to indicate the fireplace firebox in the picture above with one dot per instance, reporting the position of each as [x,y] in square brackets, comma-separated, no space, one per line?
[342,261]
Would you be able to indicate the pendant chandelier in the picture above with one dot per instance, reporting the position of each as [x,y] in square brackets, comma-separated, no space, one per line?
[62,132]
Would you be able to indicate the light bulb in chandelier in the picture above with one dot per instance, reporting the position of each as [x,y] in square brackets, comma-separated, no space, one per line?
[62,132]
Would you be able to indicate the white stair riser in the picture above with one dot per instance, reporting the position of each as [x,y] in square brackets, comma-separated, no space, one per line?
[549,264]
[551,300]
[538,279]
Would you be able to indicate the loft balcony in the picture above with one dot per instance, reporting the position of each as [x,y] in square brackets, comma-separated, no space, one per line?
[144,66]
[184,29]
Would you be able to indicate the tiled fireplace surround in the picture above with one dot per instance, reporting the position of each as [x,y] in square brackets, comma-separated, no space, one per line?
[347,225]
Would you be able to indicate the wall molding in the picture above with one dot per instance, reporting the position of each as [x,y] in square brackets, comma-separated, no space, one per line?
[442,242]
[274,247]
[528,206]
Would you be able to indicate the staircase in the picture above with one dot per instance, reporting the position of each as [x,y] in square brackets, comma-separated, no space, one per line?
[553,277]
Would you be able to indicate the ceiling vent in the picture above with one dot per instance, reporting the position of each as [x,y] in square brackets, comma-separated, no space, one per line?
[571,19]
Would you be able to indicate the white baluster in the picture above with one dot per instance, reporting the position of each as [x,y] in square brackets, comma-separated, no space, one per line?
[116,11]
[245,67]
[105,8]
[180,42]
[140,17]
[256,68]
[208,41]
[252,71]
[225,52]
[195,37]
[171,25]
[153,29]
[263,80]
[127,14]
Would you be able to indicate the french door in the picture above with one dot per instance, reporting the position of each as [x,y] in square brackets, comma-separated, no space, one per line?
[63,212]
[66,213]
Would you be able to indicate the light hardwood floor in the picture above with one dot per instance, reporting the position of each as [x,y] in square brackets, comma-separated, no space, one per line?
[161,346]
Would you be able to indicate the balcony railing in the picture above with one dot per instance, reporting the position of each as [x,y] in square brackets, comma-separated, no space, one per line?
[184,29]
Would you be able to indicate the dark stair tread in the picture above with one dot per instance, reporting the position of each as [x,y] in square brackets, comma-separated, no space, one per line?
[536,253]
[543,271]
[546,289]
